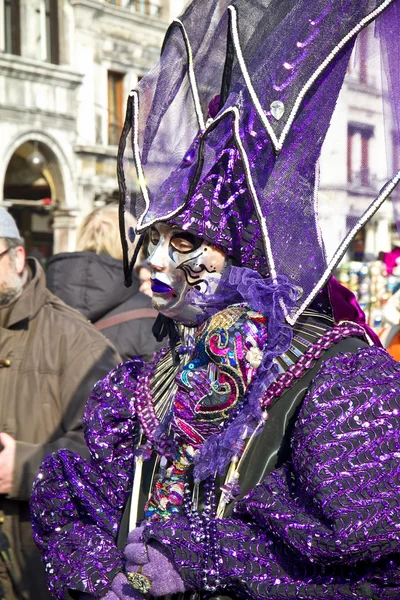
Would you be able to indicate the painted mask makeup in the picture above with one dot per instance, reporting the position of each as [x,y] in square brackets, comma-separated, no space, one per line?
[179,262]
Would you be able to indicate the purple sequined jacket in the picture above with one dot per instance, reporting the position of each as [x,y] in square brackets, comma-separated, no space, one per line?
[326,525]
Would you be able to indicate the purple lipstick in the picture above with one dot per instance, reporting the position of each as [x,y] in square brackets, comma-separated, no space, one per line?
[159,287]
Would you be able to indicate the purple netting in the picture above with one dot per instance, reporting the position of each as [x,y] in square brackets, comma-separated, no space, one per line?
[294,52]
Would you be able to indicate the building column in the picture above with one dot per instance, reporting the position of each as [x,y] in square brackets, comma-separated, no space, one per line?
[29,20]
[64,230]
[383,237]
[370,239]
[172,9]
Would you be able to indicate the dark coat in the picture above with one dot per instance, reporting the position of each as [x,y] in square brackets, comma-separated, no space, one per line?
[50,358]
[94,285]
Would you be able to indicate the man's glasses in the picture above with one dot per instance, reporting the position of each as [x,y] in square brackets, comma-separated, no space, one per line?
[6,251]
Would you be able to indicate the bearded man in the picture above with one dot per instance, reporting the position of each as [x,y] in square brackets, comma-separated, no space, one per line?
[50,357]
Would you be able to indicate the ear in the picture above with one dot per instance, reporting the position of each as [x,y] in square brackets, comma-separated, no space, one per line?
[20,259]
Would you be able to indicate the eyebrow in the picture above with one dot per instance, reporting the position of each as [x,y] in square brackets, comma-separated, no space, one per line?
[182,233]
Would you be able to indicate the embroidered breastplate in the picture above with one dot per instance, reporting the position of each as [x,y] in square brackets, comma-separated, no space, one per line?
[197,400]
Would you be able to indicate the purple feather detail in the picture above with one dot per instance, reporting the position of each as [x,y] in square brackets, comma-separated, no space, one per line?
[264,296]
[230,490]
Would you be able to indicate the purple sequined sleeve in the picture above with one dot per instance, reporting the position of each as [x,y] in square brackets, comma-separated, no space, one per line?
[76,506]
[327,525]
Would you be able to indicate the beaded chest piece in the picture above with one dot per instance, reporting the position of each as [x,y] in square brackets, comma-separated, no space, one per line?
[210,389]
[224,362]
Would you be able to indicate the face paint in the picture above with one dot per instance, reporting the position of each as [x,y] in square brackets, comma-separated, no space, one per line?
[179,262]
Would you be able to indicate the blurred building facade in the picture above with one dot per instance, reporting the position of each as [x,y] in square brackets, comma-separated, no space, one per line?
[66,68]
[356,157]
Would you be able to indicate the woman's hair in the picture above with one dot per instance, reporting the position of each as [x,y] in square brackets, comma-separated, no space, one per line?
[99,231]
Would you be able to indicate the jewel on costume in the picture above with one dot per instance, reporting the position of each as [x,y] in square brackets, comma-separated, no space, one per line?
[277,109]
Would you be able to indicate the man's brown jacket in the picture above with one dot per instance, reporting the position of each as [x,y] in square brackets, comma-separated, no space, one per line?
[50,358]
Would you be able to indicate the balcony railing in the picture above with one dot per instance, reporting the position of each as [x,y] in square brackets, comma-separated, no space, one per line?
[363,179]
[144,7]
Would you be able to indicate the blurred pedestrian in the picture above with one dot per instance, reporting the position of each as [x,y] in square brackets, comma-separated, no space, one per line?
[91,280]
[50,358]
[145,280]
[142,269]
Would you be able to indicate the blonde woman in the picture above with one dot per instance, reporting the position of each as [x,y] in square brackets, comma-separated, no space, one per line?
[91,280]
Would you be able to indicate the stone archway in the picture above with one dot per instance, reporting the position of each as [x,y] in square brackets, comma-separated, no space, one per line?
[33,189]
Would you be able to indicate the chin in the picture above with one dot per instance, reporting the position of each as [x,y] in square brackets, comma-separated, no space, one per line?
[159,302]
[162,305]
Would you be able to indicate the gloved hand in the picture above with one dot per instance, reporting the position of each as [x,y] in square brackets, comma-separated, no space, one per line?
[156,566]
[121,589]
[164,578]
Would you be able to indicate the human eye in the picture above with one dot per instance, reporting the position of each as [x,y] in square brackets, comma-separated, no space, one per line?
[154,236]
[185,242]
[181,244]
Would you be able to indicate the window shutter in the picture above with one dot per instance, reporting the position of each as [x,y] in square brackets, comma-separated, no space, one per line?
[15,27]
[54,33]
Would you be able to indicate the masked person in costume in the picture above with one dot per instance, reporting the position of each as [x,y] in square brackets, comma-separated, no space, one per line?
[258,456]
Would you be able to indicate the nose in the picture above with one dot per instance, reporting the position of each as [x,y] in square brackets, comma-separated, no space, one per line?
[155,267]
[158,259]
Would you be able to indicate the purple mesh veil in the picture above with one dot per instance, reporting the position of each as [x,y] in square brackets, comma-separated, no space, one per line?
[224,135]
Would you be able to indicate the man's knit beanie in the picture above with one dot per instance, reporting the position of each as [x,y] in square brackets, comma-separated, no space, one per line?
[8,227]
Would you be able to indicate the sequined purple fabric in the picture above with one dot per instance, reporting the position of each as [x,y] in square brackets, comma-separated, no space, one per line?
[326,525]
[76,506]
[222,212]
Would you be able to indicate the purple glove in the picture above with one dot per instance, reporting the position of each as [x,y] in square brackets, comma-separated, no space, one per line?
[135,535]
[122,590]
[165,580]
[157,567]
